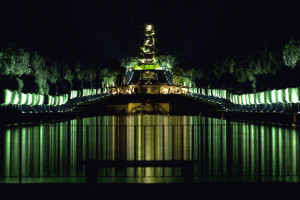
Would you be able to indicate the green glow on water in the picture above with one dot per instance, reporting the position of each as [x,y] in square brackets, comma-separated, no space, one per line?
[15,152]
[7,154]
[280,151]
[26,149]
[252,150]
[274,150]
[293,153]
[262,148]
[220,148]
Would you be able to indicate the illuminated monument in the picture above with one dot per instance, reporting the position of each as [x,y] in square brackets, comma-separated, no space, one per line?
[149,48]
[148,77]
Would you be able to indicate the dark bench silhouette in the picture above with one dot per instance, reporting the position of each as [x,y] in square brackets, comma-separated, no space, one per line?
[93,165]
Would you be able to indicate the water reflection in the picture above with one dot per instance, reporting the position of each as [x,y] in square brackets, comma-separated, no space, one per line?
[221,148]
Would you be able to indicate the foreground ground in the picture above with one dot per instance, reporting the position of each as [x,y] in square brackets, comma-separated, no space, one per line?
[152,191]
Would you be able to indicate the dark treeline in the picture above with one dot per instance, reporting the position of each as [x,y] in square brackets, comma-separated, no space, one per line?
[32,73]
[264,69]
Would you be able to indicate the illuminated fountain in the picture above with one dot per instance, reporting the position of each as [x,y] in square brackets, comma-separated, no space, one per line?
[147,77]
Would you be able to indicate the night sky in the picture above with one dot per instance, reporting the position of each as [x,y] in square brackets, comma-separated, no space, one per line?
[196,32]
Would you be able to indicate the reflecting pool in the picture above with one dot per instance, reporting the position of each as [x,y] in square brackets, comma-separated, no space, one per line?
[222,150]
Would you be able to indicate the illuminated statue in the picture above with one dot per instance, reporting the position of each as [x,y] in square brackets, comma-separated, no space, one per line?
[148,48]
[148,76]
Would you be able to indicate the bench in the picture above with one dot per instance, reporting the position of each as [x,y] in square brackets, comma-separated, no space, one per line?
[93,165]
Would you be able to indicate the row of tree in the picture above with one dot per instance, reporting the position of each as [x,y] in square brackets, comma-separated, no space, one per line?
[264,69]
[30,72]
[167,61]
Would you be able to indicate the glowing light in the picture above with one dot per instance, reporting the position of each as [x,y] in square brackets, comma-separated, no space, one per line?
[273,96]
[280,96]
[294,95]
[7,97]
[15,97]
[286,92]
[261,98]
[267,95]
[41,100]
[34,99]
[149,27]
[74,94]
[60,100]
[23,98]
[243,99]
[29,99]
[252,101]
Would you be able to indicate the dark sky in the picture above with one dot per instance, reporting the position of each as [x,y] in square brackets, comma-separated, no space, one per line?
[194,31]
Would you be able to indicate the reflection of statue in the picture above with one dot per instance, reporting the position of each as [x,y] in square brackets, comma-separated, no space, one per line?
[148,75]
[148,108]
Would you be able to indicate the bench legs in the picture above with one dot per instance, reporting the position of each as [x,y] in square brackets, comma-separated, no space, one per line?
[188,174]
[91,174]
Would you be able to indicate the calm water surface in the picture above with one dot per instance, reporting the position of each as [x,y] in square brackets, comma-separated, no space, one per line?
[223,150]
